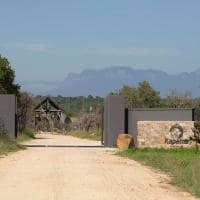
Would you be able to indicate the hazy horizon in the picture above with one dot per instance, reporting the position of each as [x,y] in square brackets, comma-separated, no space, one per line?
[104,68]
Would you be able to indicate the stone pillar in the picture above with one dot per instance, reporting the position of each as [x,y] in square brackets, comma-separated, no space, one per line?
[114,119]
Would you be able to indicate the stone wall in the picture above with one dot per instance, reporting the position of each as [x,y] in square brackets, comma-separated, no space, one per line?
[164,134]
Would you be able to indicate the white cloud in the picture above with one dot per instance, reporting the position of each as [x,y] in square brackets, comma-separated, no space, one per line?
[37,47]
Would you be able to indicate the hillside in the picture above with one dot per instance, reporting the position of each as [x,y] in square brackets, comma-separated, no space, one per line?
[101,82]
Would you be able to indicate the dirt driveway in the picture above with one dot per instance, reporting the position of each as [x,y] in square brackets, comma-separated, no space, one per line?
[78,173]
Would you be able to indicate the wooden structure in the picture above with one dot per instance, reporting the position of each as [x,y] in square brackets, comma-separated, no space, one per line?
[47,113]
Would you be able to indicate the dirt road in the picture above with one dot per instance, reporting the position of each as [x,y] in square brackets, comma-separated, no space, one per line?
[78,173]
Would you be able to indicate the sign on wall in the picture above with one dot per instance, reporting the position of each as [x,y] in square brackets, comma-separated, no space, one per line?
[164,134]
[176,135]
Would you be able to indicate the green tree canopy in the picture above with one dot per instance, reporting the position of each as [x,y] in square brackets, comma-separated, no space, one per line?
[7,77]
[149,97]
[144,96]
[130,95]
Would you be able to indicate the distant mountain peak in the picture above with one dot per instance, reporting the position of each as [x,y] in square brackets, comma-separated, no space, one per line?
[99,82]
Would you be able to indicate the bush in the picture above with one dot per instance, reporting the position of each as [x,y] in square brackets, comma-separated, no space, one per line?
[8,145]
[196,131]
[93,134]
[25,135]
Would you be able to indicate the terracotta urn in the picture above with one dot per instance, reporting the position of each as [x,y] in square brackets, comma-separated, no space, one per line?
[124,141]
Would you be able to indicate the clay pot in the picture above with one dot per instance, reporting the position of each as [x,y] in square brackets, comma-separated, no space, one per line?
[124,141]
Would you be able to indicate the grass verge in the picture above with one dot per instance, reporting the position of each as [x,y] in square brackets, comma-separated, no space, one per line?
[182,165]
[8,145]
[26,134]
[91,135]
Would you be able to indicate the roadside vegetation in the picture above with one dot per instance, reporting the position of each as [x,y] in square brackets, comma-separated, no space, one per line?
[93,134]
[181,164]
[25,106]
[7,145]
[142,95]
[26,134]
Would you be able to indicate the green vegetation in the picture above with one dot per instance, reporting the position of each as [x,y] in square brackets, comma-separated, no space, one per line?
[7,77]
[196,131]
[93,134]
[142,96]
[8,145]
[24,100]
[26,134]
[145,96]
[182,165]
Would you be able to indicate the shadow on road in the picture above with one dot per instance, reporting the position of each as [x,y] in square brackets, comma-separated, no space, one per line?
[42,138]
[66,146]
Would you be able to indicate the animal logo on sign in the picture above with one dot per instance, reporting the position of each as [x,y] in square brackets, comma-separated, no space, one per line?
[176,131]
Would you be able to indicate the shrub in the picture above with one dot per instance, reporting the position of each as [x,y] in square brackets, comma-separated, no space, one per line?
[196,131]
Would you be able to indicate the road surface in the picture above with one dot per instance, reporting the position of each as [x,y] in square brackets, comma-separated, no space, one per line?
[53,169]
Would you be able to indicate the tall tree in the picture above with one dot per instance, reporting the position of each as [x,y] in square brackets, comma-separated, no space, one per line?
[7,77]
[130,95]
[25,105]
[144,96]
[149,98]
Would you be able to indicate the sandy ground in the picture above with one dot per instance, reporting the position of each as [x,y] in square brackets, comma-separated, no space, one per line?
[78,173]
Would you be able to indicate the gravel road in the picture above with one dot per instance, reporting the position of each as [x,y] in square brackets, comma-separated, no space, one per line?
[46,171]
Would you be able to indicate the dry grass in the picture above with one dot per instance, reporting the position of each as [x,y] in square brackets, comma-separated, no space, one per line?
[91,135]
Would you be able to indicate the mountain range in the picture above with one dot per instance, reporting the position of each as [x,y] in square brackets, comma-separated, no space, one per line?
[102,81]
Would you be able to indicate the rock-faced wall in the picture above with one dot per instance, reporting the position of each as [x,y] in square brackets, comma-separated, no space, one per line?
[164,134]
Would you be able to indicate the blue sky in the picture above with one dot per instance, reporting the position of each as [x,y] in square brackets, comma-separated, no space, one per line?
[47,39]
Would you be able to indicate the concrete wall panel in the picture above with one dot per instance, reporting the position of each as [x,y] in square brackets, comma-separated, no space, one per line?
[8,113]
[136,115]
[114,108]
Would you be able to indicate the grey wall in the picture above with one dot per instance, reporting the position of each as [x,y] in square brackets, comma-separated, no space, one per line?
[116,121]
[113,119]
[136,115]
[8,105]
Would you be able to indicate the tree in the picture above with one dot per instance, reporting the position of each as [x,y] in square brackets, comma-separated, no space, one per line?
[130,95]
[178,100]
[196,131]
[148,97]
[7,77]
[144,96]
[25,106]
[196,105]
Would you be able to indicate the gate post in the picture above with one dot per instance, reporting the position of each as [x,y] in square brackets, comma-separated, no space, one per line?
[114,118]
[8,114]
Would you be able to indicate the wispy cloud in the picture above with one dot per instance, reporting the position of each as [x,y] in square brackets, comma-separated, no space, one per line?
[37,47]
[134,51]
